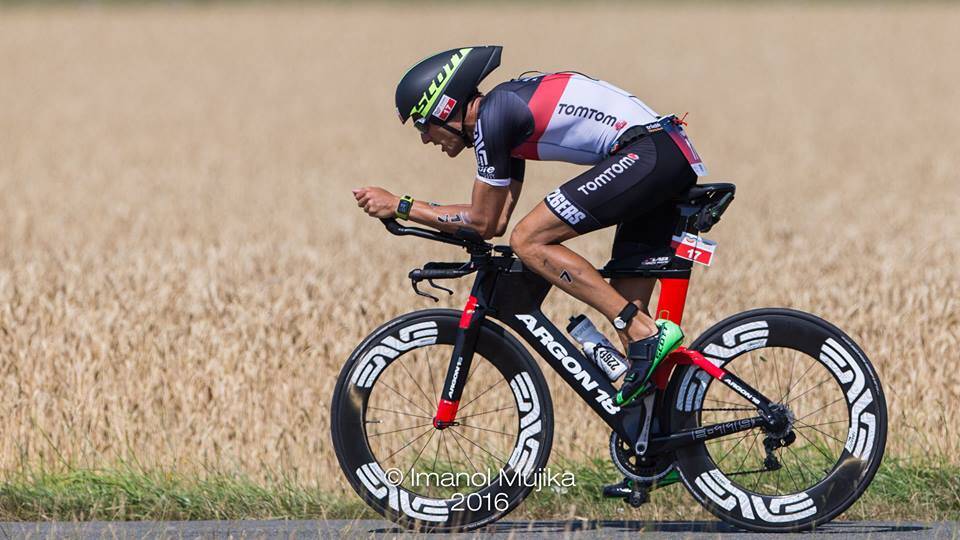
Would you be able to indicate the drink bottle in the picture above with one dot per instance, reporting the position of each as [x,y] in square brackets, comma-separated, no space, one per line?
[597,347]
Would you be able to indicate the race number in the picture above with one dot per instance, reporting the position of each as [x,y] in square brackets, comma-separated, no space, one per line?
[694,248]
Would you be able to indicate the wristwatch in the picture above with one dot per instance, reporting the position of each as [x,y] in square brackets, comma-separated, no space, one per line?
[404,207]
[623,318]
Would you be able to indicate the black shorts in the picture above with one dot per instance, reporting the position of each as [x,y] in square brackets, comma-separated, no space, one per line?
[632,189]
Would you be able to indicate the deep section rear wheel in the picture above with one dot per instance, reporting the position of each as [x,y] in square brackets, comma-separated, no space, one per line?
[807,473]
[424,478]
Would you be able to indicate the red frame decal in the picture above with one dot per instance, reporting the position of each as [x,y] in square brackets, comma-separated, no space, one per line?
[681,357]
[468,311]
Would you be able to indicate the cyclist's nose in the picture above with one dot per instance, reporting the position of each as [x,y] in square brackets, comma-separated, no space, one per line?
[425,137]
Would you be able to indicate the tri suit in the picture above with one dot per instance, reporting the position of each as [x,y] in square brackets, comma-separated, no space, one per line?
[638,165]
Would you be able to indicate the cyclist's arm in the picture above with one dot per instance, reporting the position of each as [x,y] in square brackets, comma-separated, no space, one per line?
[483,214]
[504,219]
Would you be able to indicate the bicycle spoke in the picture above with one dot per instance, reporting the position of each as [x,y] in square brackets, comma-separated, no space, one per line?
[461,435]
[732,449]
[745,456]
[821,431]
[398,430]
[408,444]
[433,383]
[789,382]
[486,429]
[820,409]
[827,423]
[726,402]
[420,453]
[813,444]
[776,372]
[470,461]
[482,393]
[416,383]
[446,447]
[792,477]
[436,456]
[800,378]
[776,489]
[484,412]
[399,412]
[809,390]
[405,398]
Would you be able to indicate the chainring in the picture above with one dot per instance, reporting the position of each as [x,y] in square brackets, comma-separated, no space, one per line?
[636,468]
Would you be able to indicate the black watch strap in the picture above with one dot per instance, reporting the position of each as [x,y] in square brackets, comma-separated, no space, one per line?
[625,316]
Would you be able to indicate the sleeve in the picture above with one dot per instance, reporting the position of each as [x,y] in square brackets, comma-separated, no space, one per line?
[494,138]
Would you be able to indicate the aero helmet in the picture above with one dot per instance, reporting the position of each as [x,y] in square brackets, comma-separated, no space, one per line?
[443,83]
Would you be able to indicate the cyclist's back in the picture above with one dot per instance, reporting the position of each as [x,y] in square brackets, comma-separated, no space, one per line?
[554,117]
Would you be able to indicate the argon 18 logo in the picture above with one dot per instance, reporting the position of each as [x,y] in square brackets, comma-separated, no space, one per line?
[569,363]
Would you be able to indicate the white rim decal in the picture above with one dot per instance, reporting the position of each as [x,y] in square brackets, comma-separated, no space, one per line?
[372,363]
[719,489]
[863,425]
[524,454]
[375,480]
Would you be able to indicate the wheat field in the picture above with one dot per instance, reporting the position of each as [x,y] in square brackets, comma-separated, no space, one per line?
[183,270]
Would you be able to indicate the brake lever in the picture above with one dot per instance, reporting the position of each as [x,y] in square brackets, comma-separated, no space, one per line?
[435,286]
[417,290]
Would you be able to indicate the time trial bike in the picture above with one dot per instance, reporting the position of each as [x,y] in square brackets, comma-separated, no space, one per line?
[442,420]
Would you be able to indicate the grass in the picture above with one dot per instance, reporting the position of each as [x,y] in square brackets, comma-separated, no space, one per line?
[902,490]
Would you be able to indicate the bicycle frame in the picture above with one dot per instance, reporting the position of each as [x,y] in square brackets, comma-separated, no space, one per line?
[506,291]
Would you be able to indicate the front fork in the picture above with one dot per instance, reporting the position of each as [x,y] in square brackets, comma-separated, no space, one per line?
[463,347]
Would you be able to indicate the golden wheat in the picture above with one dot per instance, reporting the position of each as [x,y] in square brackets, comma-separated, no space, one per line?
[184,270]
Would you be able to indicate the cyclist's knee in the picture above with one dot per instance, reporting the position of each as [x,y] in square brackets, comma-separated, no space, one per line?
[521,240]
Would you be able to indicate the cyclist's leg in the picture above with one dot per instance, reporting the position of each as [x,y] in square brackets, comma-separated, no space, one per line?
[643,240]
[638,291]
[537,241]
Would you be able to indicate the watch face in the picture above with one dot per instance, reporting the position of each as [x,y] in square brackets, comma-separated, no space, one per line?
[619,324]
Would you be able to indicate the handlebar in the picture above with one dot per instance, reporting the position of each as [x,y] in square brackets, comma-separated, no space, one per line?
[465,238]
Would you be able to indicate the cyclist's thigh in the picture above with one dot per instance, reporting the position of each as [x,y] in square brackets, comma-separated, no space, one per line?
[628,184]
[646,237]
[542,226]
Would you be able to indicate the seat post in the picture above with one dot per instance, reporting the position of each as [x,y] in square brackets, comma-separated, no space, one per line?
[673,295]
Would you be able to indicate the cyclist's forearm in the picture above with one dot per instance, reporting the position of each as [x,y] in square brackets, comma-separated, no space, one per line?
[449,217]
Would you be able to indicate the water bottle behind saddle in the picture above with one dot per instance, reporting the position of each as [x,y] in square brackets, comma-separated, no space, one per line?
[597,347]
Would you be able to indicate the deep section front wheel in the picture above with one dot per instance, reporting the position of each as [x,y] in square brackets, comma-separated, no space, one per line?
[806,473]
[460,477]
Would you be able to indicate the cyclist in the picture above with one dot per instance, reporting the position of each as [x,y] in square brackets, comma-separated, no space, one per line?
[640,161]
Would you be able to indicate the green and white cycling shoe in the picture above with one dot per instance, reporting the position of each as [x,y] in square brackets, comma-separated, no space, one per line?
[645,355]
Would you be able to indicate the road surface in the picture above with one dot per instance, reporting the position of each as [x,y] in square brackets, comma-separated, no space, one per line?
[514,530]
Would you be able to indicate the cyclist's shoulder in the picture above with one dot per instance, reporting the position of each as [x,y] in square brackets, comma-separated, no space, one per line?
[503,103]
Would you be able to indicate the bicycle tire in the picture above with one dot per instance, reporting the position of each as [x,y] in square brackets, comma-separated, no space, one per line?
[357,381]
[850,369]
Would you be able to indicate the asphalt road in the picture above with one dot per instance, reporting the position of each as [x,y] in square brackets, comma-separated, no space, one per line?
[514,530]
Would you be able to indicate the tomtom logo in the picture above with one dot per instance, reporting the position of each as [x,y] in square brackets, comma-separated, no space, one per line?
[569,363]
[587,112]
[609,173]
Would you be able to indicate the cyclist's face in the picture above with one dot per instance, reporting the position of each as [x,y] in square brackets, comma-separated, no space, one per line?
[448,142]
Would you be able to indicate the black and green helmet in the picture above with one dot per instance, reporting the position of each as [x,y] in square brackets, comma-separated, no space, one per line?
[440,85]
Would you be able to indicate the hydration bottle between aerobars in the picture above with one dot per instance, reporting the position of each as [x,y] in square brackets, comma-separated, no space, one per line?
[450,399]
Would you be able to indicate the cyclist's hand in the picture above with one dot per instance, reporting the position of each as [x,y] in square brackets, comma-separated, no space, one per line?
[377,202]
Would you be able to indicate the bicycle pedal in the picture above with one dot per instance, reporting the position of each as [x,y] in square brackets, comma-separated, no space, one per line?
[618,491]
[638,498]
